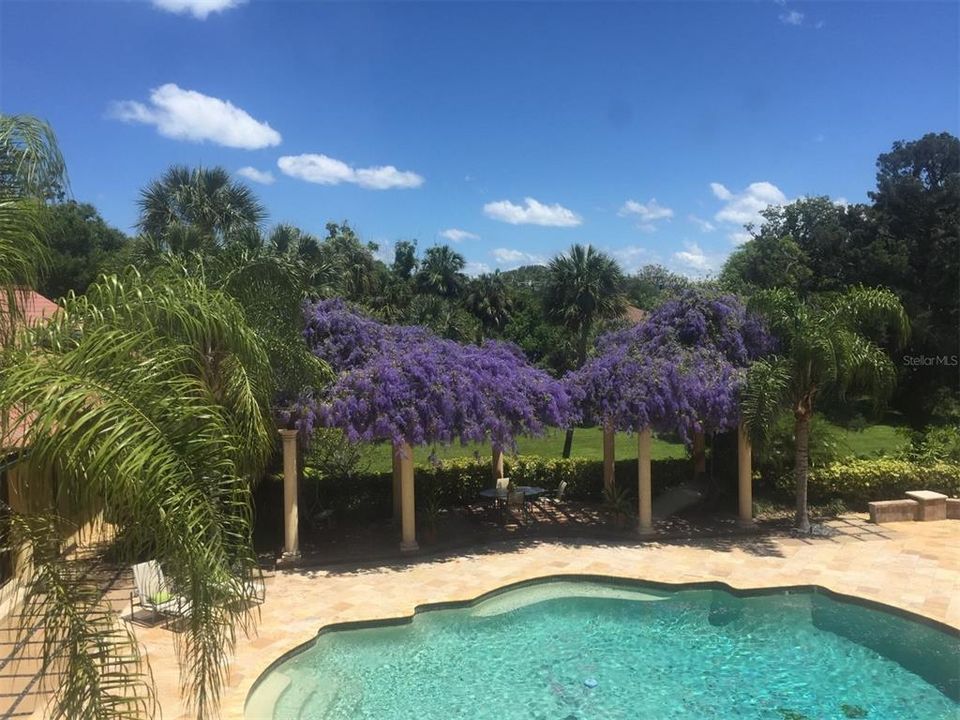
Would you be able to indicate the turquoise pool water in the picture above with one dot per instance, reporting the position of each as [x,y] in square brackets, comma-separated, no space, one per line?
[591,651]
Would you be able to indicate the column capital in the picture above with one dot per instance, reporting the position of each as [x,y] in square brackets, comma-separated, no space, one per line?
[288,434]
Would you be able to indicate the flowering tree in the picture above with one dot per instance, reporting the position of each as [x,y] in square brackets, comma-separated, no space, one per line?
[681,370]
[404,384]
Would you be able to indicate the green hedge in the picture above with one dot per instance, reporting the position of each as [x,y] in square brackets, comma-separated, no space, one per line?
[860,481]
[457,481]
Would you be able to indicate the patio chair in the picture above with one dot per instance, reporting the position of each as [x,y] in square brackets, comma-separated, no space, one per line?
[153,592]
[557,495]
[517,499]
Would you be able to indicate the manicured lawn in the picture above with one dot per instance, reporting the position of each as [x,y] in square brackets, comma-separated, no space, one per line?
[872,441]
[588,443]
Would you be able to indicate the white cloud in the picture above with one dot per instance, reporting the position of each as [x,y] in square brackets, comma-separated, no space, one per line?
[648,213]
[198,8]
[841,201]
[476,268]
[190,115]
[791,17]
[633,257]
[740,237]
[264,177]
[720,191]
[531,212]
[704,225]
[693,259]
[456,235]
[743,208]
[325,170]
[508,256]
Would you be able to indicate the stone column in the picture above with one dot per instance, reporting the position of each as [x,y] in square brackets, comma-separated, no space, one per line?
[609,455]
[496,468]
[408,542]
[396,482]
[291,514]
[744,476]
[645,490]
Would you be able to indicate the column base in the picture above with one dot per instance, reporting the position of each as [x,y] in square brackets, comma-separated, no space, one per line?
[746,522]
[645,530]
[288,559]
[409,547]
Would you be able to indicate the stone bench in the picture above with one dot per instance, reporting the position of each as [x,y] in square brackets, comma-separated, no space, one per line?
[953,508]
[884,511]
[933,505]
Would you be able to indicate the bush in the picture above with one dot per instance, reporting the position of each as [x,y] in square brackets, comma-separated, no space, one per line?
[857,482]
[935,444]
[457,481]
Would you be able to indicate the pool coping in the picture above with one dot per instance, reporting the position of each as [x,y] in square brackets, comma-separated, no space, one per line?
[616,580]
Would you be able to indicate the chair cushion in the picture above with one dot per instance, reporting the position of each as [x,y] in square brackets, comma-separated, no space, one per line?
[159,598]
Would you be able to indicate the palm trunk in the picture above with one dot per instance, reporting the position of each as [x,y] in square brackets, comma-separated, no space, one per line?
[581,359]
[801,469]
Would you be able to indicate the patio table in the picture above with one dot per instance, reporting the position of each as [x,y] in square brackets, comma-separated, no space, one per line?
[529,491]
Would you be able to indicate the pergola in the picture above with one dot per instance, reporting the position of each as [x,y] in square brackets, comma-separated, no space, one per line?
[408,387]
[681,370]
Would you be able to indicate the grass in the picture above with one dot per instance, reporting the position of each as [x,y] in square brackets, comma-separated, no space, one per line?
[872,441]
[588,443]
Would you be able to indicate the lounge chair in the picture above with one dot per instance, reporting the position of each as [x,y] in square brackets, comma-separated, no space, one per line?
[153,592]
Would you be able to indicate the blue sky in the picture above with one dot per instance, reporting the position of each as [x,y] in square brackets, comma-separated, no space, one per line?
[651,130]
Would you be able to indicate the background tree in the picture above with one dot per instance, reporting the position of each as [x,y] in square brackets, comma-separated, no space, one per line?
[81,245]
[583,287]
[353,263]
[195,210]
[651,285]
[828,347]
[31,164]
[441,272]
[490,301]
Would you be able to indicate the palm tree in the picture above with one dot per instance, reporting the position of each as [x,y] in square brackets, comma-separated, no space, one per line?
[30,164]
[827,348]
[583,287]
[489,300]
[197,209]
[441,272]
[151,402]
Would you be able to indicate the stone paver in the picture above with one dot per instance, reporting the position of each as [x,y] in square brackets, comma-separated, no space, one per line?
[913,566]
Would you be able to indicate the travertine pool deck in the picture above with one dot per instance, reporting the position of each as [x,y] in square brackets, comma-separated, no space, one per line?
[912,566]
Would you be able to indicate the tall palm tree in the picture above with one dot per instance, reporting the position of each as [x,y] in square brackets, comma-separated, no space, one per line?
[583,287]
[197,209]
[150,400]
[441,272]
[827,348]
[489,300]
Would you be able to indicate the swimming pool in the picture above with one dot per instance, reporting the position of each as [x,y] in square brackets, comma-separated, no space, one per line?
[597,650]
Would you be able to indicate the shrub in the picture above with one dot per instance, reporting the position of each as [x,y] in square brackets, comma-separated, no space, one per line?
[859,481]
[935,444]
[457,481]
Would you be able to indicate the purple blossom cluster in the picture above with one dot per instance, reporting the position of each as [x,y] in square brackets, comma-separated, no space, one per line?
[403,383]
[680,370]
